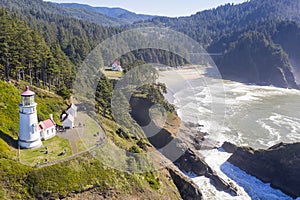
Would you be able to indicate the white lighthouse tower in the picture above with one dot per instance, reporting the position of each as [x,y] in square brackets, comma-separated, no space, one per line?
[29,136]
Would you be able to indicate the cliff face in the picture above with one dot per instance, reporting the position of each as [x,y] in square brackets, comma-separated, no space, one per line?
[289,38]
[278,165]
[176,150]
[158,136]
[254,59]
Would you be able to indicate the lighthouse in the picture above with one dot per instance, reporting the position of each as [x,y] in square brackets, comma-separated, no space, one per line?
[29,136]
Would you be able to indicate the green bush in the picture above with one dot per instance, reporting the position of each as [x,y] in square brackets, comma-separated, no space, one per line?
[134,149]
[152,180]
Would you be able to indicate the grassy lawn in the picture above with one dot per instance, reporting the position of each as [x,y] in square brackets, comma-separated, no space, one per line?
[55,145]
[81,146]
[112,74]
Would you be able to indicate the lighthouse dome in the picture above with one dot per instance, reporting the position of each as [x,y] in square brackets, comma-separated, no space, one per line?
[27,92]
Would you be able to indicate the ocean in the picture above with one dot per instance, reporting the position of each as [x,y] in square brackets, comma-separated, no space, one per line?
[244,114]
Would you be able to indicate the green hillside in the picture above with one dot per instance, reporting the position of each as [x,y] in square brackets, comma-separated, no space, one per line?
[79,174]
[9,112]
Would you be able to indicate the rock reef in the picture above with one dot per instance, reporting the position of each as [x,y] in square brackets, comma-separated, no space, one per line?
[279,165]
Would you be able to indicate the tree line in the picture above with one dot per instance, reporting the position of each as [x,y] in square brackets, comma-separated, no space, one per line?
[24,55]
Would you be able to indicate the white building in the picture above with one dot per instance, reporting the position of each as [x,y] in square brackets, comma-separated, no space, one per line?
[67,121]
[72,110]
[47,128]
[29,135]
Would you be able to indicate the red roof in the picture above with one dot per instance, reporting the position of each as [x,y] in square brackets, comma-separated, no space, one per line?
[117,62]
[46,124]
[27,92]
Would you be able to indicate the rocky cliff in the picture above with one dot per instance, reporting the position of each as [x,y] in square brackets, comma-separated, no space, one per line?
[173,147]
[279,165]
[191,161]
[188,189]
[255,59]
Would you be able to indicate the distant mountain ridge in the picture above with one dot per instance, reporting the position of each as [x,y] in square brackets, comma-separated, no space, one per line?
[121,14]
[106,17]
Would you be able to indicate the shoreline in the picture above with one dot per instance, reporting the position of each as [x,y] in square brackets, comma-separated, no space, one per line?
[176,82]
[189,74]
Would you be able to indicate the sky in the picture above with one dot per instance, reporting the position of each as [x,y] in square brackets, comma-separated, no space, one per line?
[171,8]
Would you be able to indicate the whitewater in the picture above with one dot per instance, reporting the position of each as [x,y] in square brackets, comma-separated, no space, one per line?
[244,114]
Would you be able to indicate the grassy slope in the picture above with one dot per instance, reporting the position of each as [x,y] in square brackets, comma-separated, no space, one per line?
[9,113]
[18,181]
[9,106]
[56,145]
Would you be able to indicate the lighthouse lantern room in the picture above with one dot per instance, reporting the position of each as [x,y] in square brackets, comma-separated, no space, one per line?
[29,136]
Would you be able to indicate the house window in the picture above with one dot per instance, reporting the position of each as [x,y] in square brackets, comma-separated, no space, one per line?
[47,132]
[52,130]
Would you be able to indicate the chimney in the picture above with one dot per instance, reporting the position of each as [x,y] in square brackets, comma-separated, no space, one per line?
[51,117]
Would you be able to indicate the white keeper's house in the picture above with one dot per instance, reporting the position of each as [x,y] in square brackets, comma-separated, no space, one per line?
[69,116]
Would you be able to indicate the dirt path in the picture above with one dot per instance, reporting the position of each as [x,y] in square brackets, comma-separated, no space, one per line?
[87,131]
[73,137]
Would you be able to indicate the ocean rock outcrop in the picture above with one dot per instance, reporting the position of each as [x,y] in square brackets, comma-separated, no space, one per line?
[187,188]
[229,147]
[191,161]
[279,165]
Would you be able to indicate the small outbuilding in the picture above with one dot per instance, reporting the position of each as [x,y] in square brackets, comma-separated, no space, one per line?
[47,128]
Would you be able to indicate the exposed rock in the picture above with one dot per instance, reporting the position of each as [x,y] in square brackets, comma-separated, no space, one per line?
[187,188]
[278,165]
[191,161]
[193,125]
[249,65]
[174,147]
[229,147]
[198,140]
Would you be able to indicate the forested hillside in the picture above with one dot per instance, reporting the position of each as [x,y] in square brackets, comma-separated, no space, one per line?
[75,37]
[24,55]
[42,47]
[211,25]
[275,25]
[41,7]
[219,30]
[258,60]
